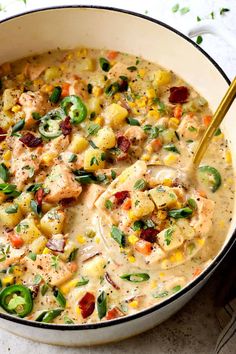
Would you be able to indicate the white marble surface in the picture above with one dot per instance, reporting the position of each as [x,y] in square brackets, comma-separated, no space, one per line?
[194,329]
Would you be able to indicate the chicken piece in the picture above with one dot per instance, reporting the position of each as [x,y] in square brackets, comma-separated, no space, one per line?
[33,71]
[136,135]
[13,255]
[33,102]
[189,128]
[53,270]
[25,162]
[79,88]
[61,184]
[91,194]
[54,148]
[120,69]
[202,221]
[124,182]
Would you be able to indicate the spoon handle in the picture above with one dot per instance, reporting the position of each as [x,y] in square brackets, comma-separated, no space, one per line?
[217,119]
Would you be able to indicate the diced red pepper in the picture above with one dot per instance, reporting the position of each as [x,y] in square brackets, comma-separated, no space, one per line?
[149,235]
[16,240]
[114,313]
[87,305]
[121,196]
[112,55]
[178,111]
[39,196]
[123,143]
[65,89]
[143,247]
[178,94]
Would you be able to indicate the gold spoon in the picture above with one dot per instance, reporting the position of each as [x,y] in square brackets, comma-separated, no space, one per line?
[189,173]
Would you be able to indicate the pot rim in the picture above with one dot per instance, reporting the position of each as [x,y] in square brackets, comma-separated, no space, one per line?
[205,273]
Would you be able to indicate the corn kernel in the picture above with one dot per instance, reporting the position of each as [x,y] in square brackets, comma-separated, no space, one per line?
[165,263]
[131,104]
[170,159]
[16,108]
[97,239]
[7,155]
[117,96]
[200,241]
[131,259]
[173,123]
[78,311]
[134,304]
[69,56]
[161,275]
[172,258]
[3,145]
[131,215]
[17,271]
[218,137]
[154,114]
[178,256]
[80,239]
[151,93]
[132,239]
[167,182]
[142,73]
[82,52]
[99,120]
[47,88]
[65,288]
[162,214]
[8,280]
[153,284]
[141,102]
[228,157]
[222,224]
[48,158]
[145,157]
[46,250]
[97,91]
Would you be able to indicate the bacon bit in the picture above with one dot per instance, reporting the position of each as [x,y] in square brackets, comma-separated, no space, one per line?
[56,245]
[149,235]
[72,266]
[39,196]
[207,120]
[112,55]
[87,305]
[65,126]
[15,240]
[143,247]
[114,313]
[197,272]
[178,94]
[127,204]
[65,89]
[30,140]
[121,196]
[156,144]
[2,137]
[110,281]
[123,143]
[178,111]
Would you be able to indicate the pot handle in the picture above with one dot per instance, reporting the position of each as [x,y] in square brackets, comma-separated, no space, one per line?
[216,28]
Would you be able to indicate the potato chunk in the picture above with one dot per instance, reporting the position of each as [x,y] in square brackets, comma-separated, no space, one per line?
[7,218]
[163,197]
[78,144]
[162,77]
[94,159]
[94,267]
[24,202]
[105,138]
[141,205]
[115,115]
[38,245]
[10,98]
[170,238]
[52,222]
[28,230]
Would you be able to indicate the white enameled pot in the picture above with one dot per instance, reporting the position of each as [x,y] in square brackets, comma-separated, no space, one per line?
[69,27]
